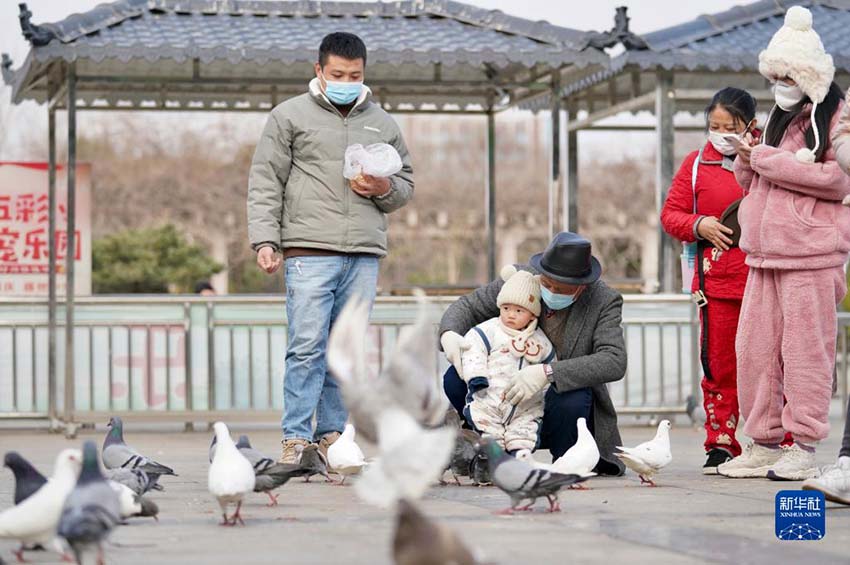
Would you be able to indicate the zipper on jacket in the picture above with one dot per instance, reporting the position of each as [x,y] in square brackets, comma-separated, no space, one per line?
[347,189]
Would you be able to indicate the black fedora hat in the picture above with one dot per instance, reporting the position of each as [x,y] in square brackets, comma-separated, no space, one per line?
[568,259]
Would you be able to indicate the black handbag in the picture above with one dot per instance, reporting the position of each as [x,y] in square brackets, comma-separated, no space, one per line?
[729,218]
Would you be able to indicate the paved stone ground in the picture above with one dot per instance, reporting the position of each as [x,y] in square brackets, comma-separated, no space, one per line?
[690,518]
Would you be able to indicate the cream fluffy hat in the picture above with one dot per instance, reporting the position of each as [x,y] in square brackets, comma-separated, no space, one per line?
[521,288]
[796,51]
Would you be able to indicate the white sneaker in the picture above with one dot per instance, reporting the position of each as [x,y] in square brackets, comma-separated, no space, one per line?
[754,462]
[834,481]
[796,464]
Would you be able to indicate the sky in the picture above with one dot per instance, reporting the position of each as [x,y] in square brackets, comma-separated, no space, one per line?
[646,16]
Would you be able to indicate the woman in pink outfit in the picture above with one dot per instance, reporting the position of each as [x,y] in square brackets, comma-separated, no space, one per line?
[796,235]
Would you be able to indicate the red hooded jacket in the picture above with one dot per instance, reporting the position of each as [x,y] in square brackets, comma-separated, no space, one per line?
[716,189]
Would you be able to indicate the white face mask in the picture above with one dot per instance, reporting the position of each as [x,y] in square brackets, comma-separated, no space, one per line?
[721,141]
[787,96]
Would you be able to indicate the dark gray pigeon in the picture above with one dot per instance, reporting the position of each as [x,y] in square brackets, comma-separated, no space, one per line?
[314,463]
[91,510]
[27,478]
[117,454]
[135,479]
[149,508]
[420,541]
[522,482]
[465,450]
[481,468]
[269,474]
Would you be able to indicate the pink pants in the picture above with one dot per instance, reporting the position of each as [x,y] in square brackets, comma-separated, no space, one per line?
[786,345]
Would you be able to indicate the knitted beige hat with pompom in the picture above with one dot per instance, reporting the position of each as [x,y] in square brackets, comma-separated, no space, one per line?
[521,288]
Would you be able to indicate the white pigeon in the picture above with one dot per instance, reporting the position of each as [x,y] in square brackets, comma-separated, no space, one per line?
[528,457]
[649,457]
[132,504]
[581,458]
[127,500]
[35,519]
[409,381]
[411,459]
[344,456]
[231,475]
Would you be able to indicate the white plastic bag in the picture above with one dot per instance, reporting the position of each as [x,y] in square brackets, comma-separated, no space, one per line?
[377,160]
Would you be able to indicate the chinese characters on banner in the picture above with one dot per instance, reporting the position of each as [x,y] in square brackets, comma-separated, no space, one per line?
[24,259]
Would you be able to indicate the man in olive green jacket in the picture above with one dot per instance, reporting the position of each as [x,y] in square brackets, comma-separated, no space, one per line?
[329,232]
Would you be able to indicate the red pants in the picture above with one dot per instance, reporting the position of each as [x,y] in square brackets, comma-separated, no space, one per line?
[720,393]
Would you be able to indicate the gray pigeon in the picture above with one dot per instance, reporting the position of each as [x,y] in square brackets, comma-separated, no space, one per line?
[27,478]
[469,459]
[522,482]
[269,474]
[135,479]
[91,510]
[466,448]
[314,463]
[117,454]
[481,468]
[420,541]
[465,452]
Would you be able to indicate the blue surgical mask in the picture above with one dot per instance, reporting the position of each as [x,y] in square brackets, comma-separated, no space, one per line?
[342,93]
[556,301]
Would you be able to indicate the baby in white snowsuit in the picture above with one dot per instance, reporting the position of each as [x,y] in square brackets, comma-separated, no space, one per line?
[498,349]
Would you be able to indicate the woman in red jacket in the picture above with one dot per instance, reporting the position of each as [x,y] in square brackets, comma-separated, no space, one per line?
[692,213]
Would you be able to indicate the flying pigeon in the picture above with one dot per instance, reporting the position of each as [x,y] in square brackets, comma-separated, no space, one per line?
[409,381]
[521,481]
[27,478]
[132,504]
[420,541]
[269,474]
[135,479]
[580,459]
[411,459]
[34,520]
[344,456]
[649,457]
[91,510]
[231,475]
[117,454]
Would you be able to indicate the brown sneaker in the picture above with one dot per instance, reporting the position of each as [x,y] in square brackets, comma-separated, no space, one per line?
[292,450]
[327,441]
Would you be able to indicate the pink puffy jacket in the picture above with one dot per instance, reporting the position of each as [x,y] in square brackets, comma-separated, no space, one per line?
[792,216]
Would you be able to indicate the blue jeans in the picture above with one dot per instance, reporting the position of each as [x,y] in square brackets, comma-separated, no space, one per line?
[316,290]
[558,430]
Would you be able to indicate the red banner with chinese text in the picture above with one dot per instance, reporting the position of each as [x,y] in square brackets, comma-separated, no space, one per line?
[24,259]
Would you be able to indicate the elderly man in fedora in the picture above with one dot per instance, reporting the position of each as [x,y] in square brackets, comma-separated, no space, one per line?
[582,317]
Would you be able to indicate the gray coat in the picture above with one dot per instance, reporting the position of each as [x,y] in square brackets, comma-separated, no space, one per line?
[297,196]
[591,353]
